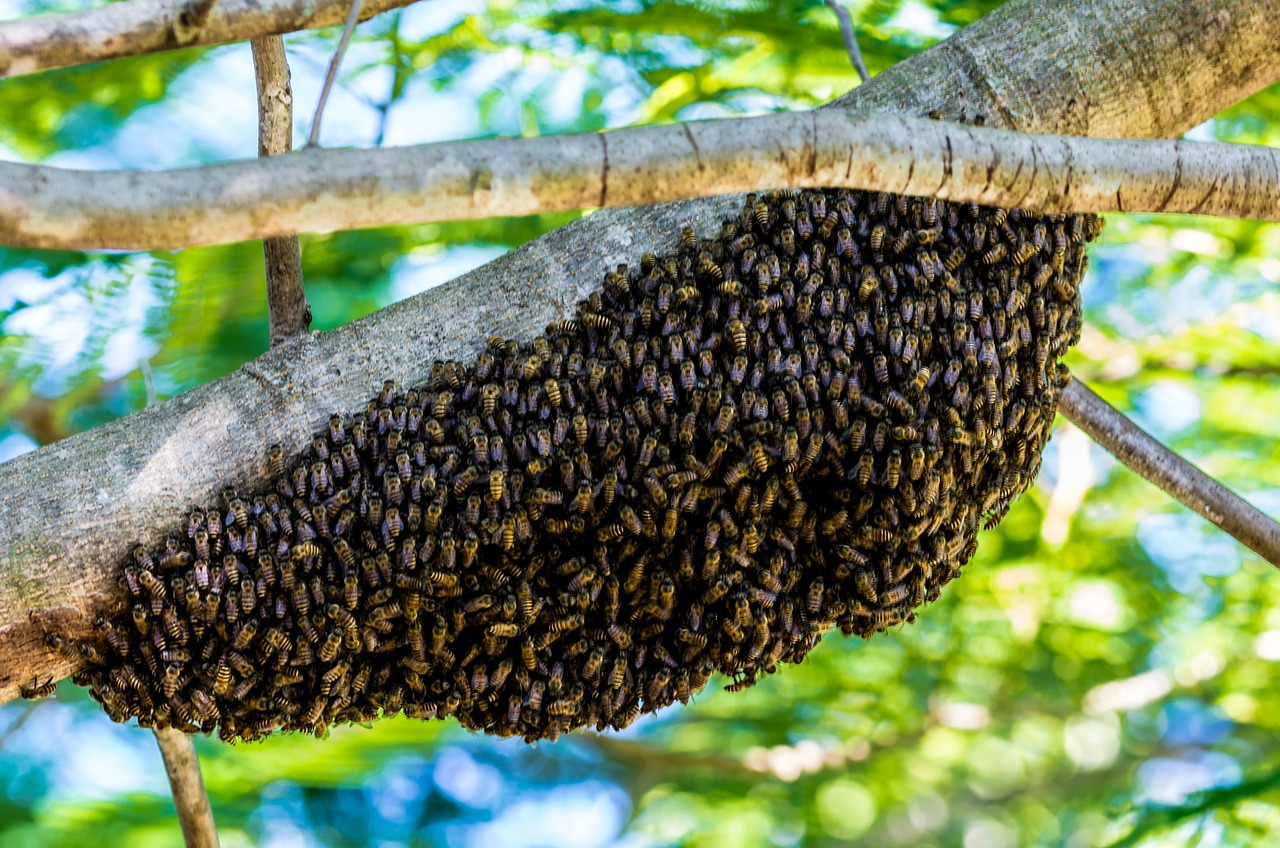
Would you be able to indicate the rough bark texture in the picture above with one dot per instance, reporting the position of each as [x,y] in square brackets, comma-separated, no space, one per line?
[151,26]
[321,191]
[288,310]
[71,510]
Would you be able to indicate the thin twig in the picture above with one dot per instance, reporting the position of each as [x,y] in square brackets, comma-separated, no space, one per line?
[137,27]
[1147,457]
[324,190]
[850,40]
[148,381]
[398,65]
[288,310]
[313,140]
[189,795]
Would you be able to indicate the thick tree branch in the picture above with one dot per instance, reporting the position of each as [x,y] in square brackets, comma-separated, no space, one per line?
[289,313]
[73,509]
[189,795]
[319,191]
[150,26]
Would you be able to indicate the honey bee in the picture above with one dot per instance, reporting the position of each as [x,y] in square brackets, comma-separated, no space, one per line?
[717,590]
[737,332]
[617,675]
[814,597]
[1024,253]
[762,215]
[526,654]
[37,689]
[489,396]
[596,321]
[994,255]
[827,224]
[865,464]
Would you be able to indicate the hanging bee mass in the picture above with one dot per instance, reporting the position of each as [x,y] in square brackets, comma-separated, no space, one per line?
[727,451]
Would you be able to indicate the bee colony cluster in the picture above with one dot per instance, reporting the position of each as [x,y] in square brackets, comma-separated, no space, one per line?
[796,425]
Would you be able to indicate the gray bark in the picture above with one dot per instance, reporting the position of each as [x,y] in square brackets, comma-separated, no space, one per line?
[135,27]
[325,190]
[1141,68]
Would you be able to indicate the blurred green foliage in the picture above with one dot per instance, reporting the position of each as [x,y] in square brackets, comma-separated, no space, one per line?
[1107,672]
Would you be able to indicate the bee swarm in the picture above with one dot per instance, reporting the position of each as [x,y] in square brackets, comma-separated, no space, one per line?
[796,425]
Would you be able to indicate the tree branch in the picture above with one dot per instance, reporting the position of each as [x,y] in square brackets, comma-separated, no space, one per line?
[850,40]
[313,136]
[189,796]
[190,799]
[152,26]
[1185,483]
[73,509]
[289,313]
[320,191]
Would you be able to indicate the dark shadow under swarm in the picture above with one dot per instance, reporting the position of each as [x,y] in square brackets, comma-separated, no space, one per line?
[795,425]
